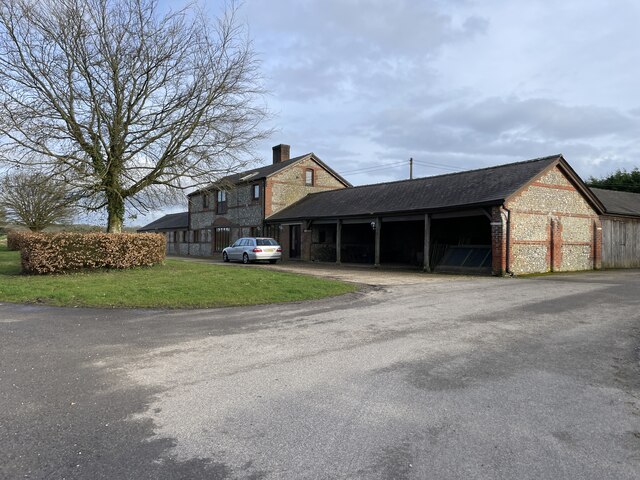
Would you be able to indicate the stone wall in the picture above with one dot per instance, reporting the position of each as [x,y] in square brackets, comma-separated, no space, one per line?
[288,185]
[244,215]
[177,246]
[242,209]
[182,249]
[552,227]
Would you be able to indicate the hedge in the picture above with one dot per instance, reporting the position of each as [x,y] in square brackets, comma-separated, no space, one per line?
[16,237]
[44,253]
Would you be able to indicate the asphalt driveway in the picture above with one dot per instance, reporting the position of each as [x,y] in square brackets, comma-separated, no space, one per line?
[474,378]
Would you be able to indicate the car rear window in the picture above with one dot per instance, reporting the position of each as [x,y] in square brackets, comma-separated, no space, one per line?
[266,241]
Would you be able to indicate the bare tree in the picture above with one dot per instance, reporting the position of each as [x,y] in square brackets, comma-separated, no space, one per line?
[35,201]
[124,103]
[3,218]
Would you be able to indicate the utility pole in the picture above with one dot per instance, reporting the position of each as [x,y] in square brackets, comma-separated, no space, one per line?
[411,168]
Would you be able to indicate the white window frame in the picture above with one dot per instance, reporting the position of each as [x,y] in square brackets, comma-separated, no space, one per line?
[309,173]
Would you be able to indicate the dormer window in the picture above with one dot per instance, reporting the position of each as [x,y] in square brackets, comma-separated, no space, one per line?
[308,177]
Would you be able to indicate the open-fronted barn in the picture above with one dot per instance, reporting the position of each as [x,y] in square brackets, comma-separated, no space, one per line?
[526,217]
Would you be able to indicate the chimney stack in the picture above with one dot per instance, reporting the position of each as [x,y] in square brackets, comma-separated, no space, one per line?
[281,153]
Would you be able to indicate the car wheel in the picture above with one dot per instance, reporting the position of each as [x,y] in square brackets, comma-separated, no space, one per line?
[245,258]
[225,257]
[272,261]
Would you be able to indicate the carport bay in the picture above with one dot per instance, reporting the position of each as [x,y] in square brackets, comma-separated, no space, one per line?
[444,241]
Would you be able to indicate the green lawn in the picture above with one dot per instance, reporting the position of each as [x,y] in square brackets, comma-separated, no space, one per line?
[177,284]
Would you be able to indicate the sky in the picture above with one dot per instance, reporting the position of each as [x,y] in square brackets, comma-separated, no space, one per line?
[456,85]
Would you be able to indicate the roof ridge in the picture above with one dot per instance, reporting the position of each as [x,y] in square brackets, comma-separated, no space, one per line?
[538,159]
[612,190]
[291,160]
[245,173]
[488,186]
[161,223]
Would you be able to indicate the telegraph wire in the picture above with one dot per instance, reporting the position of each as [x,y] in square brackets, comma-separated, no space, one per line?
[422,163]
[373,167]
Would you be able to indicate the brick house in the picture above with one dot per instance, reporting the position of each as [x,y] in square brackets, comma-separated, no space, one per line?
[525,217]
[237,205]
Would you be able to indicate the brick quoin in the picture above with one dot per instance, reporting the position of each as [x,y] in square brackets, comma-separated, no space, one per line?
[596,251]
[284,241]
[305,246]
[549,241]
[556,245]
[498,242]
[268,199]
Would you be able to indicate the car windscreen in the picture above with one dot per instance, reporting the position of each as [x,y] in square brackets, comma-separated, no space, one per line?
[266,241]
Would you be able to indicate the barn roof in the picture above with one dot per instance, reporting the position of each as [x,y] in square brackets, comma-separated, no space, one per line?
[482,187]
[619,203]
[173,221]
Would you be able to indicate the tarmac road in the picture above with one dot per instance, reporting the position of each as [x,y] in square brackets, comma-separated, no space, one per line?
[471,378]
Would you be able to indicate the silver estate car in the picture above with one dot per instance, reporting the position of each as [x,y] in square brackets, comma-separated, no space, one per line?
[250,249]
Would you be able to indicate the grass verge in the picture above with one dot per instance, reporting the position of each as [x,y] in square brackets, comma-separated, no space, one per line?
[176,284]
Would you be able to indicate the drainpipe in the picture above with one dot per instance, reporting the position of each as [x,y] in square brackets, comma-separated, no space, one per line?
[263,227]
[508,246]
[188,229]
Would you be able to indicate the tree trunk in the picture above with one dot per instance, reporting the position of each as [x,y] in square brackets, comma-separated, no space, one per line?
[115,209]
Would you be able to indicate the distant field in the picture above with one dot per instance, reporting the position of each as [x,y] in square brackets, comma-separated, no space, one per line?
[177,284]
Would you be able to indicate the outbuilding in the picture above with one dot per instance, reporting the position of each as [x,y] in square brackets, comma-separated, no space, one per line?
[620,228]
[518,218]
[175,227]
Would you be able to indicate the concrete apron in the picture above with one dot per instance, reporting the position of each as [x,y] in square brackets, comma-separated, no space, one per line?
[367,275]
[362,274]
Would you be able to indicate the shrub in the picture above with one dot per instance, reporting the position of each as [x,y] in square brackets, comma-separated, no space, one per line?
[15,238]
[61,252]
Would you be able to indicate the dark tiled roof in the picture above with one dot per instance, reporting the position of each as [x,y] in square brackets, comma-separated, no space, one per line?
[485,186]
[260,172]
[173,221]
[250,175]
[620,203]
[263,172]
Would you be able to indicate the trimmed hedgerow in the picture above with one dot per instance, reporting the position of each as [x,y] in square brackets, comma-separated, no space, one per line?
[43,253]
[15,238]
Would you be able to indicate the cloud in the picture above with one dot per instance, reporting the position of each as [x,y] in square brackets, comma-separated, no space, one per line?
[455,84]
[540,117]
[345,48]
[471,83]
